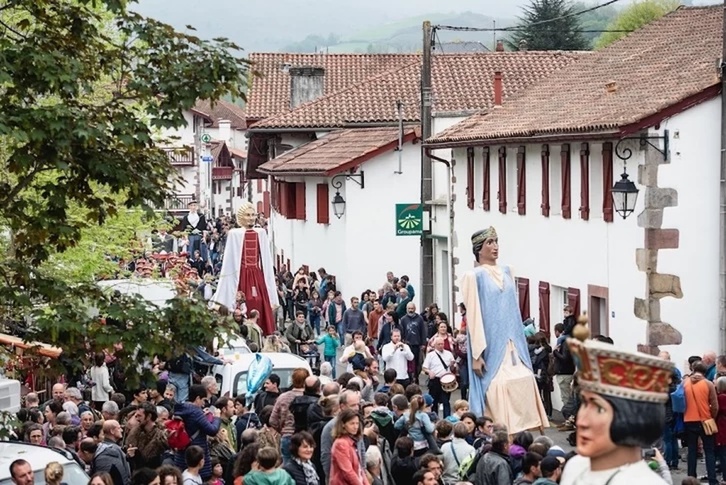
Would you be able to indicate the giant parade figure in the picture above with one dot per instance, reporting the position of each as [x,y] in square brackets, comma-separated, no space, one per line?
[247,267]
[502,382]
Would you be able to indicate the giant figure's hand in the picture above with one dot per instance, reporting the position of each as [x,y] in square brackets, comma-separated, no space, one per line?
[479,366]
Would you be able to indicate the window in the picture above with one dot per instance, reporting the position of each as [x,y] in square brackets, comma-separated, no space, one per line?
[470,178]
[545,205]
[502,195]
[523,296]
[323,203]
[299,188]
[607,181]
[585,182]
[566,172]
[521,181]
[486,197]
[544,307]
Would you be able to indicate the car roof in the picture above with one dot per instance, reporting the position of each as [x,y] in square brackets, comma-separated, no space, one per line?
[280,360]
[37,456]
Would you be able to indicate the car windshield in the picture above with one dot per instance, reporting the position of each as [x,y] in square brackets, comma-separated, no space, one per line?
[240,381]
[72,475]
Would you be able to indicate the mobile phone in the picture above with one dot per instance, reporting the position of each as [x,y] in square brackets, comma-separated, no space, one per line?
[648,453]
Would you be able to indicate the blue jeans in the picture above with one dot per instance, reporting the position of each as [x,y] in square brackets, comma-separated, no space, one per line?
[285,450]
[670,447]
[195,244]
[315,322]
[181,382]
[331,359]
[694,430]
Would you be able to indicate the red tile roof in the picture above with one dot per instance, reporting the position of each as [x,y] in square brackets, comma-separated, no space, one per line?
[222,110]
[461,83]
[669,63]
[269,93]
[337,151]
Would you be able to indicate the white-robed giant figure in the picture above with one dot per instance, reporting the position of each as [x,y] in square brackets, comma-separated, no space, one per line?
[502,382]
[247,267]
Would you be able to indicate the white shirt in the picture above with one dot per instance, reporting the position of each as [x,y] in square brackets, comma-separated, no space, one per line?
[433,363]
[193,218]
[397,359]
[577,472]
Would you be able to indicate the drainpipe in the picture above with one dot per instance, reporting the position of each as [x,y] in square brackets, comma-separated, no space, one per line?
[722,198]
[450,238]
[399,107]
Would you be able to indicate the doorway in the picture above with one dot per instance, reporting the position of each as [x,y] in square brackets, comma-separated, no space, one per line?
[598,310]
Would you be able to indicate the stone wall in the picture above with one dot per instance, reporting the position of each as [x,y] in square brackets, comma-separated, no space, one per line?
[656,238]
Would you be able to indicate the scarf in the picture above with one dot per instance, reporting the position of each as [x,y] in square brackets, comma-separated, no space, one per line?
[311,476]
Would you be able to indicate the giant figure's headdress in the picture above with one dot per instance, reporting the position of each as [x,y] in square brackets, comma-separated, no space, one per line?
[481,236]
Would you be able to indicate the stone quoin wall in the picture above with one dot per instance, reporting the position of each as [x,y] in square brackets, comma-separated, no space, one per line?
[656,238]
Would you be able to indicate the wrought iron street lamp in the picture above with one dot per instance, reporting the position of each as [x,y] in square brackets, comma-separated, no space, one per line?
[338,200]
[624,192]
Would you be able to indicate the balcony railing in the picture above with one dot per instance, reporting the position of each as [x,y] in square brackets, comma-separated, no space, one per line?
[181,156]
[179,203]
[222,173]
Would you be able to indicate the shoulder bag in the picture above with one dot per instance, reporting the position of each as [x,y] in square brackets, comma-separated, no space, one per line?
[709,425]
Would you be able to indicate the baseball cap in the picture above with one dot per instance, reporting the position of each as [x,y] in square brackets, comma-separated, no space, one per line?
[428,399]
[556,451]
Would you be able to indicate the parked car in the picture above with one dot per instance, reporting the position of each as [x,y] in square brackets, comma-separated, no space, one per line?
[232,377]
[39,457]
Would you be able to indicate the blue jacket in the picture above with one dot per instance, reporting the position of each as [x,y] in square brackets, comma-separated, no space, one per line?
[420,425]
[198,426]
[331,312]
[331,344]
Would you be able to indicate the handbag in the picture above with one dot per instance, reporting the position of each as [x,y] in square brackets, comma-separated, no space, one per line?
[709,425]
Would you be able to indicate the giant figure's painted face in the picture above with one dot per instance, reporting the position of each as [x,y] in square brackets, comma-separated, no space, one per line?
[246,216]
[594,419]
[489,251]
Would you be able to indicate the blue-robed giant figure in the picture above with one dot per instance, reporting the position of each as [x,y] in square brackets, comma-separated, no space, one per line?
[502,384]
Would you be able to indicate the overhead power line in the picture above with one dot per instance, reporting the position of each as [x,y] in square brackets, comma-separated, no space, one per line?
[535,24]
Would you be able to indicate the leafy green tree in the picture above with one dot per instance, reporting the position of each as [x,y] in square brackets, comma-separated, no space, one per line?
[634,17]
[84,86]
[548,25]
[598,19]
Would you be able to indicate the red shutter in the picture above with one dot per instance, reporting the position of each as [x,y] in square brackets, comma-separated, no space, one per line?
[545,206]
[323,204]
[300,201]
[259,186]
[573,300]
[260,207]
[607,181]
[282,188]
[291,200]
[470,178]
[266,204]
[486,198]
[523,294]
[585,182]
[503,180]
[544,307]
[566,181]
[521,181]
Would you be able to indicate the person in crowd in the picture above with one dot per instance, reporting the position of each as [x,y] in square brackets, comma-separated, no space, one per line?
[100,377]
[417,424]
[461,406]
[414,334]
[101,478]
[437,364]
[315,310]
[265,470]
[194,459]
[53,473]
[270,393]
[455,452]
[301,468]
[403,464]
[330,342]
[198,425]
[530,469]
[346,467]
[397,355]
[170,475]
[148,437]
[550,470]
[336,310]
[145,476]
[493,468]
[299,333]
[347,400]
[282,418]
[318,416]
[701,406]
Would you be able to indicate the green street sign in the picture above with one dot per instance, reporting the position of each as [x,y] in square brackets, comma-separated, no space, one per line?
[206,138]
[409,219]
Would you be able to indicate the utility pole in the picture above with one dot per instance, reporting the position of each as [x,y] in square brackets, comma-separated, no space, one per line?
[722,198]
[427,243]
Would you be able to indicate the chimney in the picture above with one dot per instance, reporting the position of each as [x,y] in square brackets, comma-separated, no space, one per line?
[498,88]
[306,84]
[500,46]
[225,130]
[523,45]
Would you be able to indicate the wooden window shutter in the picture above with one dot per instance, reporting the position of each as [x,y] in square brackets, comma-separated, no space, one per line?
[282,187]
[266,204]
[486,198]
[503,180]
[323,204]
[566,181]
[259,186]
[607,181]
[545,206]
[585,182]
[300,201]
[523,295]
[544,307]
[573,300]
[521,181]
[470,178]
[260,207]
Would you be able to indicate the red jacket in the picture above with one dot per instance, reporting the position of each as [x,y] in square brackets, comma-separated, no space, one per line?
[721,420]
[344,463]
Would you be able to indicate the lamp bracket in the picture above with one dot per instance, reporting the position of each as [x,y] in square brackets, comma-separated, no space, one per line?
[358,178]
[624,153]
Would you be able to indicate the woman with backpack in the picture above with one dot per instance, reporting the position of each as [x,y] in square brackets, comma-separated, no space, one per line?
[418,425]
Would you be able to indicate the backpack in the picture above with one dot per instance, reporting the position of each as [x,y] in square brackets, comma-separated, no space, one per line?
[678,399]
[467,467]
[299,409]
[177,436]
[551,364]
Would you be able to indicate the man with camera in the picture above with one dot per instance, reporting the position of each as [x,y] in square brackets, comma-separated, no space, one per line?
[397,355]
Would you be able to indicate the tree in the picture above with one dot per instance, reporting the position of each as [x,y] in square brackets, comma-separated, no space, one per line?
[597,19]
[560,34]
[634,17]
[84,86]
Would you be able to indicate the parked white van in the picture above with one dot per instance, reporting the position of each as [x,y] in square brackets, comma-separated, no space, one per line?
[232,377]
[39,457]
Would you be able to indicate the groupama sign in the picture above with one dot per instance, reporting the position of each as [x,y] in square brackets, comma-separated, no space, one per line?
[409,219]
